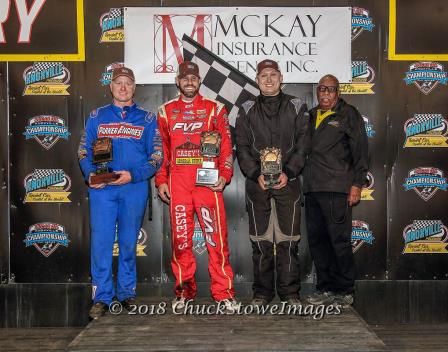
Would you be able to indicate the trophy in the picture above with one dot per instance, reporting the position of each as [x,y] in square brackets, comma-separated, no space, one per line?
[208,175]
[271,165]
[102,155]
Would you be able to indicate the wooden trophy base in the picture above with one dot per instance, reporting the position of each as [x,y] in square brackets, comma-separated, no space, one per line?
[103,178]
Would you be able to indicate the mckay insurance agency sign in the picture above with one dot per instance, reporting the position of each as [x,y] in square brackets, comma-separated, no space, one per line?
[308,42]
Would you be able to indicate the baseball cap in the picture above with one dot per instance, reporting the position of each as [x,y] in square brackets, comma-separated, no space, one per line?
[267,64]
[188,68]
[123,71]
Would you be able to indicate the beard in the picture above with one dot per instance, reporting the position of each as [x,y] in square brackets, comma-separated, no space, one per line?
[189,93]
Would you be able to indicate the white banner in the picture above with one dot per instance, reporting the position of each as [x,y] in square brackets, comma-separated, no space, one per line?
[307,42]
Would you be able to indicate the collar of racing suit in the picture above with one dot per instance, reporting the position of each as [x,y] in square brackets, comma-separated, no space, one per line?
[123,111]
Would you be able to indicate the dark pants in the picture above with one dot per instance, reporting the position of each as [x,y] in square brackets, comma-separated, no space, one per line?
[329,225]
[274,229]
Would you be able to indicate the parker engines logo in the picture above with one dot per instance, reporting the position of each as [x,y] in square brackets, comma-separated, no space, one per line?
[46,78]
[46,237]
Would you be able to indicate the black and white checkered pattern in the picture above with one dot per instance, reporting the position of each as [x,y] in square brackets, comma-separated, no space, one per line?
[41,66]
[40,173]
[220,81]
[420,118]
[421,224]
[116,12]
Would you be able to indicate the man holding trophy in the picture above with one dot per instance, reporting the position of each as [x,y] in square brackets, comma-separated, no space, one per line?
[272,138]
[197,165]
[119,151]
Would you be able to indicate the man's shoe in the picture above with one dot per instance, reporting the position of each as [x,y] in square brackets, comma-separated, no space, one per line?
[295,301]
[344,300]
[259,302]
[321,297]
[97,310]
[129,304]
[230,305]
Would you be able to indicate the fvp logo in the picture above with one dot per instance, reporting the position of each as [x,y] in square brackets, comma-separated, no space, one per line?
[425,181]
[362,79]
[46,78]
[426,131]
[361,234]
[361,21]
[426,76]
[141,243]
[369,127]
[46,130]
[112,26]
[47,186]
[46,237]
[106,76]
[367,190]
[425,236]
[168,32]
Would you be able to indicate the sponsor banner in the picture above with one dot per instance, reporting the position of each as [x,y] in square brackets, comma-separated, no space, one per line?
[46,130]
[361,21]
[425,236]
[426,131]
[141,243]
[112,26]
[425,181]
[47,186]
[426,76]
[362,79]
[46,78]
[46,237]
[106,76]
[369,127]
[199,244]
[300,39]
[361,234]
[367,191]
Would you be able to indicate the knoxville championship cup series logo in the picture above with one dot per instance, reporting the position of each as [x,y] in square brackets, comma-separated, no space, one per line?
[425,236]
[46,237]
[426,76]
[112,26]
[361,234]
[46,78]
[361,21]
[106,76]
[425,181]
[362,79]
[426,131]
[367,190]
[47,186]
[46,130]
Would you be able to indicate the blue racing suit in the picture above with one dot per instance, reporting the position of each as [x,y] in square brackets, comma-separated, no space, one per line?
[137,148]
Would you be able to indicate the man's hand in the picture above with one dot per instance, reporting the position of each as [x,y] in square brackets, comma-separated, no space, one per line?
[283,180]
[97,186]
[261,182]
[164,193]
[125,177]
[219,185]
[354,196]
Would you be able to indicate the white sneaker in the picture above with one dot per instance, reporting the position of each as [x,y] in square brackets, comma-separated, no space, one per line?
[230,305]
[178,303]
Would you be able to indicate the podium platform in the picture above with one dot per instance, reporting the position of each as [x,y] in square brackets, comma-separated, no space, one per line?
[248,331]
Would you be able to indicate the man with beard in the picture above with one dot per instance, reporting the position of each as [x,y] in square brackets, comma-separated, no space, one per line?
[273,119]
[181,122]
[335,171]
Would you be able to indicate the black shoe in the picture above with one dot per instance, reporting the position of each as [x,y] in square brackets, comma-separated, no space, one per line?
[129,303]
[97,310]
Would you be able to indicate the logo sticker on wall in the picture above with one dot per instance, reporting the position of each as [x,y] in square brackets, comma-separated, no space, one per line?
[425,181]
[47,186]
[425,236]
[46,237]
[106,76]
[369,127]
[46,130]
[361,234]
[367,190]
[141,243]
[426,75]
[362,79]
[46,78]
[199,244]
[426,131]
[360,21]
[112,26]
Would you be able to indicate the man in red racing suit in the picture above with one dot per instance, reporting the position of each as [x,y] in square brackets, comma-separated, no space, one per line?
[181,122]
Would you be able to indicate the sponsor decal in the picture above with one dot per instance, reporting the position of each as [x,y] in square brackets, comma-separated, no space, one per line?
[369,127]
[367,190]
[361,21]
[199,245]
[120,130]
[188,154]
[426,131]
[112,26]
[426,75]
[362,79]
[425,236]
[141,243]
[47,186]
[180,227]
[46,237]
[208,219]
[106,76]
[425,181]
[46,130]
[361,234]
[188,127]
[46,78]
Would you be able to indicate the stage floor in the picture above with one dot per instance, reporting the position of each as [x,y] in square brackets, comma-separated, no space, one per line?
[248,331]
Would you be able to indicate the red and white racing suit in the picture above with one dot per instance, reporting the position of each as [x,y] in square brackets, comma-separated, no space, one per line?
[180,125]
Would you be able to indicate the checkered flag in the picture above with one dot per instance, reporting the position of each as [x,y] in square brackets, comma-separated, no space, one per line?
[422,224]
[220,81]
[41,173]
[41,66]
[115,12]
[420,118]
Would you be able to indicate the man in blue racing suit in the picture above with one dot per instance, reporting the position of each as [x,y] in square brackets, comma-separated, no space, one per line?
[118,207]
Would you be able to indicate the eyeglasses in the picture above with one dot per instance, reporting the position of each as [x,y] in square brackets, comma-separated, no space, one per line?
[330,89]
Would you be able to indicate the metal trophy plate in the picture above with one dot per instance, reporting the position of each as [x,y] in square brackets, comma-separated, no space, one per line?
[208,175]
[102,155]
[271,165]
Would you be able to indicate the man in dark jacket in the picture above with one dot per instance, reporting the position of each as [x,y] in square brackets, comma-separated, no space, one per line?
[273,119]
[335,171]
